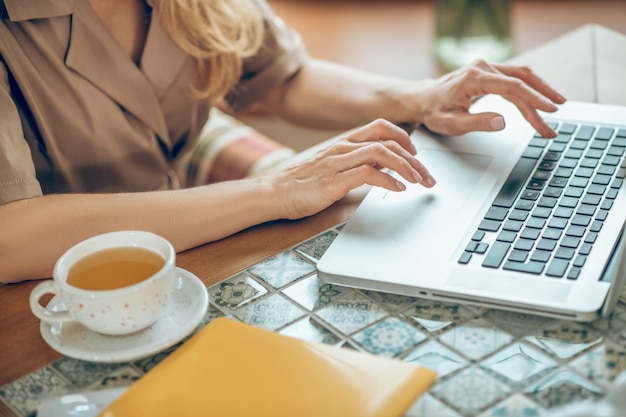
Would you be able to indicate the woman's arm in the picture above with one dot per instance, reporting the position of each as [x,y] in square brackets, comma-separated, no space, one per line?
[327,95]
[36,231]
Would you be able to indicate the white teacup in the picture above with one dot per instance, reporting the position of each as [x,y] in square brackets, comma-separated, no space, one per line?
[127,308]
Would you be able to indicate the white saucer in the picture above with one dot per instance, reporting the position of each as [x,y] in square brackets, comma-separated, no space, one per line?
[186,309]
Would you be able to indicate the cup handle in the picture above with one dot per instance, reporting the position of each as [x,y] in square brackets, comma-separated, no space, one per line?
[43,288]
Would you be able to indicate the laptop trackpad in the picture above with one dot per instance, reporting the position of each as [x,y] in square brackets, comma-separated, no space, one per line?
[456,174]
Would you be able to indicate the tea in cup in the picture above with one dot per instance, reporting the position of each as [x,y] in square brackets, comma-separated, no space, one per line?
[115,283]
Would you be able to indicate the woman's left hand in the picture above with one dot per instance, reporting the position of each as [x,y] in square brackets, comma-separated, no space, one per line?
[445,102]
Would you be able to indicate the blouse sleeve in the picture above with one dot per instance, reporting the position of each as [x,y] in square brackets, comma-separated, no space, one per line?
[281,55]
[18,179]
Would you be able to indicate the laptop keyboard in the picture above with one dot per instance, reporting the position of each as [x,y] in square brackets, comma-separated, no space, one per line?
[550,210]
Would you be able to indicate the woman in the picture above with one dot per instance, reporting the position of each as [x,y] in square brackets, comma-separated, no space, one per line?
[101,100]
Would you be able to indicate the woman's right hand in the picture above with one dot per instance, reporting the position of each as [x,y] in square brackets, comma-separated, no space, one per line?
[357,158]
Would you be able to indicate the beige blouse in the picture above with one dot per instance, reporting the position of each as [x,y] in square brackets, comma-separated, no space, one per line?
[77,115]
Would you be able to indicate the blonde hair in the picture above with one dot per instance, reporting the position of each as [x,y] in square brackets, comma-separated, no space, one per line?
[218,33]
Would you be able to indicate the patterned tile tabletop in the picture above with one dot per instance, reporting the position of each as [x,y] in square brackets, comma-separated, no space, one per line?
[490,363]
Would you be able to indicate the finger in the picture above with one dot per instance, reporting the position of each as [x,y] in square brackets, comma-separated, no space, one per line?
[532,79]
[381,129]
[387,154]
[515,90]
[366,174]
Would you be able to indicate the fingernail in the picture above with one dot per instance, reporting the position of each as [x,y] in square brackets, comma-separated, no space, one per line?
[561,98]
[497,123]
[400,185]
[430,181]
[417,177]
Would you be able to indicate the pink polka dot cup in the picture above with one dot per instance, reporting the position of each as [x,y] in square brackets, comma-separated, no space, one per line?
[119,307]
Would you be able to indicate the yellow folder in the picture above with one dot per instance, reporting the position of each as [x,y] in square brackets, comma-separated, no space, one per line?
[231,369]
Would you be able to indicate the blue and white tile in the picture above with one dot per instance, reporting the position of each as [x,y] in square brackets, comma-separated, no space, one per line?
[236,291]
[316,247]
[82,373]
[23,396]
[601,364]
[436,315]
[429,406]
[311,330]
[517,405]
[614,325]
[313,293]
[471,391]
[122,377]
[389,337]
[563,387]
[351,313]
[519,364]
[270,313]
[565,339]
[476,339]
[433,355]
[282,269]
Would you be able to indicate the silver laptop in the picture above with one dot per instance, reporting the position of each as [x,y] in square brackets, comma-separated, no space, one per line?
[515,221]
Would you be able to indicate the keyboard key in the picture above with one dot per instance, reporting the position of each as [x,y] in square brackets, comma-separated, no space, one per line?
[576,231]
[530,195]
[552,233]
[601,179]
[496,213]
[579,261]
[524,244]
[558,223]
[575,192]
[568,202]
[570,242]
[529,233]
[598,144]
[573,273]
[584,172]
[506,236]
[518,255]
[540,256]
[596,226]
[554,192]
[531,267]
[586,209]
[594,153]
[557,268]
[496,255]
[520,215]
[524,205]
[513,225]
[558,182]
[542,212]
[591,199]
[532,152]
[602,215]
[478,235]
[536,223]
[610,170]
[465,258]
[471,246]
[585,249]
[579,182]
[581,220]
[564,253]
[564,212]
[514,182]
[489,225]
[604,133]
[567,128]
[481,248]
[539,142]
[546,244]
[585,132]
